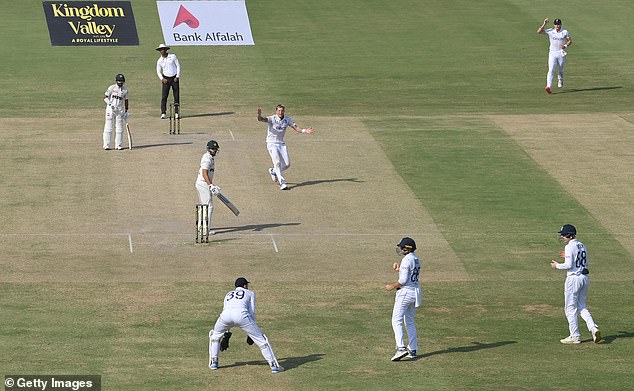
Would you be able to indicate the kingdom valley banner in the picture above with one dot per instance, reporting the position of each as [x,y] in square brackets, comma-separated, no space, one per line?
[205,22]
[90,23]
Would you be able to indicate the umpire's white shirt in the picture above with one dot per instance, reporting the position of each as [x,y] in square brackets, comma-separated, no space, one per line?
[277,128]
[168,66]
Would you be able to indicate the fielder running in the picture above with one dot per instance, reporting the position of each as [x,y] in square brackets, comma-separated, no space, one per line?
[116,112]
[275,144]
[204,185]
[239,310]
[576,262]
[408,298]
[559,41]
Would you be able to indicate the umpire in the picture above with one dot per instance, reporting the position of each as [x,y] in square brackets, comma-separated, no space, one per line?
[168,70]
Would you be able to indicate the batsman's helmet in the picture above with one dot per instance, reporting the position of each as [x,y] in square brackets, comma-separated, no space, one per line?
[120,77]
[213,144]
[568,230]
[241,281]
[407,244]
[557,21]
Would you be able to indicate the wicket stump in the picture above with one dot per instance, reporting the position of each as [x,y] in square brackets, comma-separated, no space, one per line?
[175,121]
[202,223]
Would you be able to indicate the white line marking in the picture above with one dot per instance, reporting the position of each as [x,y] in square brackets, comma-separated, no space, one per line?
[130,242]
[274,244]
[231,133]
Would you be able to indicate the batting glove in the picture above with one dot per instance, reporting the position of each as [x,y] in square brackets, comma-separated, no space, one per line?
[214,189]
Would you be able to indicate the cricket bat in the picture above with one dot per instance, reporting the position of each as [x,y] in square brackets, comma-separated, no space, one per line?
[228,203]
[127,128]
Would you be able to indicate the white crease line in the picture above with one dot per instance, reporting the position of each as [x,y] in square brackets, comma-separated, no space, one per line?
[231,133]
[130,242]
[274,244]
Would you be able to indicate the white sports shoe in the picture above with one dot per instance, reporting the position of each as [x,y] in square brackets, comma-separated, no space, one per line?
[277,369]
[560,84]
[213,364]
[212,232]
[596,335]
[163,116]
[569,340]
[400,353]
[283,186]
[273,175]
[176,115]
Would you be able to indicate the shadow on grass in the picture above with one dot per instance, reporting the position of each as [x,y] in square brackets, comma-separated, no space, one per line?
[251,227]
[208,114]
[471,348]
[320,181]
[160,145]
[287,363]
[611,338]
[586,89]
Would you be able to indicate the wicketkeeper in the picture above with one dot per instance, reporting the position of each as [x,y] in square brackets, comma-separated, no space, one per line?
[239,310]
[116,112]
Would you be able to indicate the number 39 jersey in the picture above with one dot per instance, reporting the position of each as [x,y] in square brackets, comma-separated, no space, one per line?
[240,300]
[409,271]
[575,258]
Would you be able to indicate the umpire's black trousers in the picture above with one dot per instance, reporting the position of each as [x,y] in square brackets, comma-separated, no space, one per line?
[166,91]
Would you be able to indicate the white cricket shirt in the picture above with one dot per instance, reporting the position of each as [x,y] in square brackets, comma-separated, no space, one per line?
[557,39]
[575,258]
[208,163]
[117,96]
[409,271]
[240,300]
[277,128]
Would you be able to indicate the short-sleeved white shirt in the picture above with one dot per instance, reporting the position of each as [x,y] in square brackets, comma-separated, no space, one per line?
[117,97]
[557,39]
[409,271]
[207,162]
[277,128]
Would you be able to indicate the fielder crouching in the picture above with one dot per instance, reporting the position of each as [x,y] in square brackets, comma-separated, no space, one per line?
[116,112]
[239,310]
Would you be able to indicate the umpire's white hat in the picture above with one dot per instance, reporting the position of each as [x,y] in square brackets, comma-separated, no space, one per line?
[162,46]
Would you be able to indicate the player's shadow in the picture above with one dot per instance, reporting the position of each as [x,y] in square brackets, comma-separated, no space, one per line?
[611,338]
[251,227]
[160,145]
[467,349]
[208,114]
[586,89]
[287,363]
[320,181]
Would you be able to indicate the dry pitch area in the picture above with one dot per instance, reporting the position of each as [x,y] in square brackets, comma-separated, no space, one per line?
[77,213]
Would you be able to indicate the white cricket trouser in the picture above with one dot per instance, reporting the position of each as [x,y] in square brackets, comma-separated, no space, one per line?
[230,319]
[204,197]
[555,59]
[575,294]
[113,119]
[280,159]
[405,312]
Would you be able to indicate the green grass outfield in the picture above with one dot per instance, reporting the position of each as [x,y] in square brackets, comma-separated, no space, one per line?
[429,80]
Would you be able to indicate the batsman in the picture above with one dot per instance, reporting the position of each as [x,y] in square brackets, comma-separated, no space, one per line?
[204,185]
[116,112]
